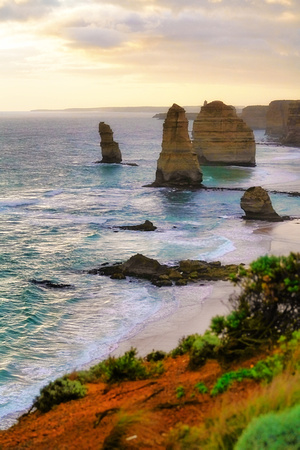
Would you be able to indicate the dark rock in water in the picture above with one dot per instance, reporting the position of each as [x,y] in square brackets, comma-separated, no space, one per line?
[186,271]
[110,149]
[143,267]
[257,205]
[51,284]
[146,226]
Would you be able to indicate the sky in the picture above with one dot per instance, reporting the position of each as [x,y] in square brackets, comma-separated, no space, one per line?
[57,54]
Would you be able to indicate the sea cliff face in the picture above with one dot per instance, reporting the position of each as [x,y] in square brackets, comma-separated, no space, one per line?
[277,117]
[177,164]
[220,137]
[292,136]
[255,116]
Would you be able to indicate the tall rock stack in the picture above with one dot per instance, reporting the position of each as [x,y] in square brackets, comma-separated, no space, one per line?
[177,164]
[109,148]
[277,118]
[220,137]
[292,136]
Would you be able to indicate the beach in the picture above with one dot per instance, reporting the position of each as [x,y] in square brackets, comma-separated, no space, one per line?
[281,239]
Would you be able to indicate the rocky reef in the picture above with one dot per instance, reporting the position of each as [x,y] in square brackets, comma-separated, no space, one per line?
[277,118]
[255,116]
[292,135]
[140,266]
[109,148]
[177,165]
[146,226]
[220,137]
[257,205]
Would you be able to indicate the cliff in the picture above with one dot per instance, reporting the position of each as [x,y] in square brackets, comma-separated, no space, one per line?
[277,117]
[177,164]
[220,137]
[255,116]
[292,136]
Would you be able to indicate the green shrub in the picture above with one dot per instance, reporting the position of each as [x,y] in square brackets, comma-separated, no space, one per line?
[273,432]
[184,345]
[267,307]
[127,367]
[180,392]
[201,388]
[263,370]
[59,391]
[155,356]
[203,347]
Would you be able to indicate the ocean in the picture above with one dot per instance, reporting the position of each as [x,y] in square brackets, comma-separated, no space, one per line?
[60,213]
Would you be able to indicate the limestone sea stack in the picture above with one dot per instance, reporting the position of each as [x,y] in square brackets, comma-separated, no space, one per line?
[109,148]
[255,116]
[220,137]
[258,206]
[292,136]
[177,165]
[277,118]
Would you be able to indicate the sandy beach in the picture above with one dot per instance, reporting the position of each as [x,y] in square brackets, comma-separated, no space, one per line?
[192,317]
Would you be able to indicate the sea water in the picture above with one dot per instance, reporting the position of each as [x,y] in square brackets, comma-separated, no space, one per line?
[60,213]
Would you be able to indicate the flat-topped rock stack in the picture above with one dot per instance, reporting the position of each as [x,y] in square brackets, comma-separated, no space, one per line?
[220,137]
[292,136]
[255,116]
[177,164]
[277,118]
[109,148]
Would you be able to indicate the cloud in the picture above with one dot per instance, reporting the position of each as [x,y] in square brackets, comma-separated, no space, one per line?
[13,10]
[92,36]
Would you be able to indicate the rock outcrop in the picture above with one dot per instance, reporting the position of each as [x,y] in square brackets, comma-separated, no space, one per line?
[140,266]
[258,206]
[255,116]
[109,148]
[292,136]
[146,226]
[220,137]
[177,164]
[277,118]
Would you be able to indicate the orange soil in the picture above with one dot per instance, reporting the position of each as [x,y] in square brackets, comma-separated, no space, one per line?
[152,404]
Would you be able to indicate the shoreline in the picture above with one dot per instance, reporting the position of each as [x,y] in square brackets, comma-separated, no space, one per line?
[190,317]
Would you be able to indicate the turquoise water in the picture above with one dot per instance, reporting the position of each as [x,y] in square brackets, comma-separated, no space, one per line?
[60,214]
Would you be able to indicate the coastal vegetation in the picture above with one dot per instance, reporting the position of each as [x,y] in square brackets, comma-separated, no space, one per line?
[237,386]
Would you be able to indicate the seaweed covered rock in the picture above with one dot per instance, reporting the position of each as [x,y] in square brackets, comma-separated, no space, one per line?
[257,205]
[146,226]
[177,164]
[140,266]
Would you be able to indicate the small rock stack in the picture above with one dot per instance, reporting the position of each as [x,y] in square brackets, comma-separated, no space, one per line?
[109,148]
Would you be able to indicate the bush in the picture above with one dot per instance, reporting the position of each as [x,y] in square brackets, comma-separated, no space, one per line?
[203,347]
[263,370]
[127,367]
[201,388]
[267,307]
[180,392]
[59,391]
[155,356]
[184,345]
[273,432]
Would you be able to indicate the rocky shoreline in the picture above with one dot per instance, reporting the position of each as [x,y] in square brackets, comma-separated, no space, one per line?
[186,271]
